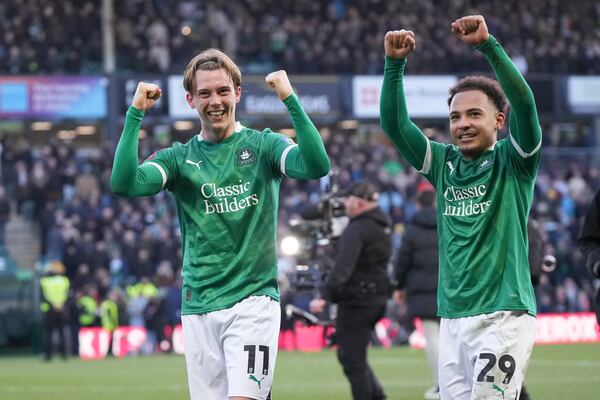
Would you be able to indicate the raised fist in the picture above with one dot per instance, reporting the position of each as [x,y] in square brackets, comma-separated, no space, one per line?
[471,29]
[399,44]
[146,95]
[279,81]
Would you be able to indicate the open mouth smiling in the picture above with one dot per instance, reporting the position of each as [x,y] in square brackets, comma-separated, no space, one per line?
[216,113]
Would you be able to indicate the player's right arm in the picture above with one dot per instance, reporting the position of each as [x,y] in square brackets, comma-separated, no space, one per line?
[396,123]
[524,125]
[128,178]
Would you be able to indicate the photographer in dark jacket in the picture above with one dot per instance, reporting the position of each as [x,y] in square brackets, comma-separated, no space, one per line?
[589,244]
[416,272]
[359,283]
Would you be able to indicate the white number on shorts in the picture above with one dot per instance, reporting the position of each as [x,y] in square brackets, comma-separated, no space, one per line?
[506,364]
[251,349]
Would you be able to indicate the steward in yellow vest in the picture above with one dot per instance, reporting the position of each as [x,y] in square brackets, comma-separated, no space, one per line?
[55,292]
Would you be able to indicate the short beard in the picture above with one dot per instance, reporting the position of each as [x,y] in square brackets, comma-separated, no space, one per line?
[471,154]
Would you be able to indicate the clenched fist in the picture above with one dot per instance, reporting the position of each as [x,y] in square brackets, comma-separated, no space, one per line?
[146,95]
[399,44]
[279,81]
[471,29]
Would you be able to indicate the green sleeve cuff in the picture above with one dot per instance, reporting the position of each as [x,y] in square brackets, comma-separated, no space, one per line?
[292,100]
[134,113]
[488,45]
[395,62]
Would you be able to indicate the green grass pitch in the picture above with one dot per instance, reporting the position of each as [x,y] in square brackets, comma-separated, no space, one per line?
[555,373]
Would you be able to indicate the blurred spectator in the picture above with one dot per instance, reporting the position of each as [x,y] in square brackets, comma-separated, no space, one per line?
[589,242]
[109,316]
[4,214]
[416,273]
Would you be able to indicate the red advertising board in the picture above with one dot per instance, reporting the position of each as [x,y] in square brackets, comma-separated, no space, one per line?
[551,329]
[94,342]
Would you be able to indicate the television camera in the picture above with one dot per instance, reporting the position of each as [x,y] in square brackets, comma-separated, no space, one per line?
[318,228]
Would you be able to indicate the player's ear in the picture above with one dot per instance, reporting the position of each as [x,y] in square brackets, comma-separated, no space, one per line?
[500,119]
[190,100]
[238,94]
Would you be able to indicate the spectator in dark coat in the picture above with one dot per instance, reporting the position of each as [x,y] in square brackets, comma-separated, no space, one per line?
[589,244]
[416,272]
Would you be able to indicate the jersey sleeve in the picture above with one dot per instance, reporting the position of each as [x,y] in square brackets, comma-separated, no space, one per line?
[434,163]
[128,178]
[165,162]
[279,147]
[308,159]
[525,133]
[395,121]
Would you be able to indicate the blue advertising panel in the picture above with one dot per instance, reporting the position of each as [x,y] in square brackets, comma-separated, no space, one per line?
[53,97]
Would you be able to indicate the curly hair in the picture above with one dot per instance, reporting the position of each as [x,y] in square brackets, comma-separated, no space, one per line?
[489,86]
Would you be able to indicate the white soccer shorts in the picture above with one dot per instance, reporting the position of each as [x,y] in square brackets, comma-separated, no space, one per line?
[232,352]
[485,356]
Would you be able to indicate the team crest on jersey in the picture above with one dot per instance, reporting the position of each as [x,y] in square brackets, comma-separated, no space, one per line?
[245,156]
[485,164]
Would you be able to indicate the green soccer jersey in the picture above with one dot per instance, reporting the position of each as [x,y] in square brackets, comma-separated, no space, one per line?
[483,203]
[227,200]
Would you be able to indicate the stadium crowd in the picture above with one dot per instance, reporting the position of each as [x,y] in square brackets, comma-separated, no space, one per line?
[50,36]
[112,244]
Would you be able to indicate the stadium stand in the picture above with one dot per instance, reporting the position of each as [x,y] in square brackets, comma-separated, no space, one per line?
[301,37]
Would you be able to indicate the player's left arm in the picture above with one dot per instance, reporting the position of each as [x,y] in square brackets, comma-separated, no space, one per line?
[525,130]
[307,160]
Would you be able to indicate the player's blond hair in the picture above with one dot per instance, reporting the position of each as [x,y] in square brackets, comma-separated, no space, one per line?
[210,60]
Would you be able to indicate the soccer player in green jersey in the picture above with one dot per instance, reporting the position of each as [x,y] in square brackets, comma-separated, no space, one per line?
[225,182]
[484,193]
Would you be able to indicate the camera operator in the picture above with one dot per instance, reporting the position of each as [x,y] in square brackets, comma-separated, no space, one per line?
[360,285]
[589,244]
